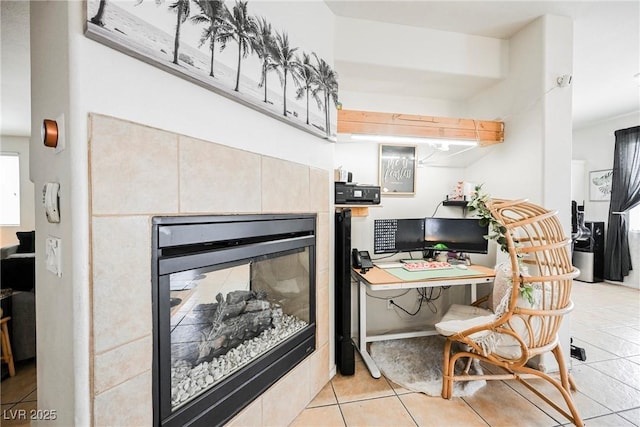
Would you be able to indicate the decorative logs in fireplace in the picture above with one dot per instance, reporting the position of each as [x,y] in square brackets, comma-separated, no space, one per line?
[190,380]
[244,315]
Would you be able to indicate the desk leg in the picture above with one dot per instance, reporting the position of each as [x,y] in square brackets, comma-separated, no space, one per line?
[362,328]
[474,292]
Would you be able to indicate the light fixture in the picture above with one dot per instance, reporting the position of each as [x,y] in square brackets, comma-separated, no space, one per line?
[439,142]
[50,133]
[564,80]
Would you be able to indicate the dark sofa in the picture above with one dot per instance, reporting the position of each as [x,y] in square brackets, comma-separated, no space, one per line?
[17,272]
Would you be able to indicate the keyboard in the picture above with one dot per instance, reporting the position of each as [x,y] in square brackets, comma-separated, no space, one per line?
[426,265]
[386,265]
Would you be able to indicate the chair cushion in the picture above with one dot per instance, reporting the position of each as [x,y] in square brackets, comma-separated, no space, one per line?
[501,285]
[507,346]
[462,317]
[498,301]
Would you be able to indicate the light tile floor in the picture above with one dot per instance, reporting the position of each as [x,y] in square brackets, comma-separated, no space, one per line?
[605,322]
[18,396]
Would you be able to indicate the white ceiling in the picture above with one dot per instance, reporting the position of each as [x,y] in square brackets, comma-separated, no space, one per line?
[606,56]
[606,47]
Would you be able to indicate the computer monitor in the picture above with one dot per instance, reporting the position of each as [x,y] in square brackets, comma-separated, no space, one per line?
[457,234]
[398,235]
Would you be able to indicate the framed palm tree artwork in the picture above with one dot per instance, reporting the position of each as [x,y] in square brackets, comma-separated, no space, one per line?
[225,48]
[600,185]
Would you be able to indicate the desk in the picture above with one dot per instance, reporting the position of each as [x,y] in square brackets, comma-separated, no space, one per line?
[377,279]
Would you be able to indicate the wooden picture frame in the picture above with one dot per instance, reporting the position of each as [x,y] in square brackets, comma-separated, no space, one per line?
[180,40]
[600,182]
[397,170]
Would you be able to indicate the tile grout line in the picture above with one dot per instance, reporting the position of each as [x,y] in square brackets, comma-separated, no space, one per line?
[475,411]
[344,420]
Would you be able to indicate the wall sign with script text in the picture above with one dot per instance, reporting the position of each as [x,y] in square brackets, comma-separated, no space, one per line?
[397,174]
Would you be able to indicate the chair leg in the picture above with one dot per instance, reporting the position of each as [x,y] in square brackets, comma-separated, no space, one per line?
[467,366]
[566,382]
[447,380]
[564,375]
[572,383]
[5,347]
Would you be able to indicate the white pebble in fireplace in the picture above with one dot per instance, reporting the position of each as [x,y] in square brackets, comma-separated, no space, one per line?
[188,381]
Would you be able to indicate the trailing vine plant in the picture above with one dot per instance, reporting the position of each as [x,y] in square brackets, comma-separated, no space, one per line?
[478,205]
[497,231]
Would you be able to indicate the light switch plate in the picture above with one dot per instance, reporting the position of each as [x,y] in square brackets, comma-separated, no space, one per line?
[53,255]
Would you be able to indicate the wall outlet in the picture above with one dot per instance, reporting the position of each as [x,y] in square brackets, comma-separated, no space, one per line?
[389,304]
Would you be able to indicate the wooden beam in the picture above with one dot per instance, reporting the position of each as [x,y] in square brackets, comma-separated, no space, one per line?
[376,123]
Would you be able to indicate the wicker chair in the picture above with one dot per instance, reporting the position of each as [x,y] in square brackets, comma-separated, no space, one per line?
[539,258]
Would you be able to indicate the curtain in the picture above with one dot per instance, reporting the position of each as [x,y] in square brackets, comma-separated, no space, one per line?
[625,194]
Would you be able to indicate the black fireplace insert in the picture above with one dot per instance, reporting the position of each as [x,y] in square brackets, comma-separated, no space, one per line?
[233,310]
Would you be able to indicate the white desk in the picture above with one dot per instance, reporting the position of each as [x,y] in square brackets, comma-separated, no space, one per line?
[377,279]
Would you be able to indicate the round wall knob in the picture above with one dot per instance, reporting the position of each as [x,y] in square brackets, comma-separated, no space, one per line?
[50,133]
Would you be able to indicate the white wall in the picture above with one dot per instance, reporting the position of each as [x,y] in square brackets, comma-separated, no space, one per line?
[400,46]
[61,306]
[75,76]
[535,160]
[15,102]
[442,59]
[556,167]
[20,145]
[514,169]
[354,100]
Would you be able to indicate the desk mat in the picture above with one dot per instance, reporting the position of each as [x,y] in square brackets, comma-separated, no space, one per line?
[408,276]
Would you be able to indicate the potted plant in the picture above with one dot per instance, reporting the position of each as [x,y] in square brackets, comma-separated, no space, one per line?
[497,231]
[441,254]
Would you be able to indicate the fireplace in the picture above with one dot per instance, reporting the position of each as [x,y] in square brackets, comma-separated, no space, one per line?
[233,310]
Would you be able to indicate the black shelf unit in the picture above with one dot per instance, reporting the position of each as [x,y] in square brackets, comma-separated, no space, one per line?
[461,203]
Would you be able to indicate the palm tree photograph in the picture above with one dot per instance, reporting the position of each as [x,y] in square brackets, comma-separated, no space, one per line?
[224,47]
[285,63]
[212,20]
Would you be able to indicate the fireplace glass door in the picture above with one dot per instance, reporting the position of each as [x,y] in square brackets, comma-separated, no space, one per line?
[223,319]
[234,311]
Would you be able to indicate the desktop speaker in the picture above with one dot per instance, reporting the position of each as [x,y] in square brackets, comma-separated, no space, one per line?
[345,350]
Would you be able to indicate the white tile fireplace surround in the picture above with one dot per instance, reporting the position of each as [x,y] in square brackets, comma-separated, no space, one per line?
[137,172]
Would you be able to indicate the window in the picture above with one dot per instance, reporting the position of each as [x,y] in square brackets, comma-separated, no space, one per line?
[9,189]
[634,219]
